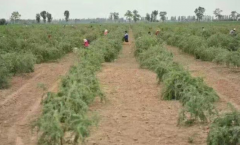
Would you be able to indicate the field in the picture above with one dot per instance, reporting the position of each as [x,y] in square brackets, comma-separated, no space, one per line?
[211,44]
[180,87]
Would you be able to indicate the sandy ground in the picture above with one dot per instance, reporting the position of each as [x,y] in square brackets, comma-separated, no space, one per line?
[224,80]
[21,103]
[134,113]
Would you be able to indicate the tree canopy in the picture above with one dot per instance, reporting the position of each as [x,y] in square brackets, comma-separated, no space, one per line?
[3,21]
[234,15]
[217,13]
[129,15]
[66,14]
[15,16]
[154,16]
[114,16]
[199,13]
[38,18]
[148,17]
[44,16]
[49,17]
[136,16]
[163,16]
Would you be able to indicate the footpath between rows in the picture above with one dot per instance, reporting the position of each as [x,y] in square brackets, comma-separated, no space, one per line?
[134,113]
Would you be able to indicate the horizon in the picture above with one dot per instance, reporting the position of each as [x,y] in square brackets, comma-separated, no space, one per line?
[102,8]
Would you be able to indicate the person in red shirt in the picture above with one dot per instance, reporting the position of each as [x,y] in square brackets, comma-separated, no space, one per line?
[157,32]
[105,32]
[86,43]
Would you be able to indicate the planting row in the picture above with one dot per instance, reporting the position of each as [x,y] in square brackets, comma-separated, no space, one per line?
[212,43]
[207,50]
[22,47]
[208,42]
[65,117]
[196,97]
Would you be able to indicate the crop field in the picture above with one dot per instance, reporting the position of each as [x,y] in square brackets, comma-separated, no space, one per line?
[145,91]
[23,46]
[214,43]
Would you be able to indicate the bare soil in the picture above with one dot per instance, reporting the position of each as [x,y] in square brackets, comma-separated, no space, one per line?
[224,80]
[134,113]
[21,103]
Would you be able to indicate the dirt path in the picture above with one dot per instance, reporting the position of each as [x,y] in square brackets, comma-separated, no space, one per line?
[134,113]
[224,80]
[20,104]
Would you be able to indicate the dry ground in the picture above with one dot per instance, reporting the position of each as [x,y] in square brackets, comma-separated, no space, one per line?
[21,103]
[134,113]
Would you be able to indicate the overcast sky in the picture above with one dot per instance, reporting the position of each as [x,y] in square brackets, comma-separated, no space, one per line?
[102,8]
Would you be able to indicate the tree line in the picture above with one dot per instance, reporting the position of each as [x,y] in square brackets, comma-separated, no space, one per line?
[199,12]
[135,16]
[46,15]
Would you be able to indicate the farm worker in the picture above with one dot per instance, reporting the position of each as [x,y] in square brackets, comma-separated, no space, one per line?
[157,32]
[106,32]
[86,44]
[125,37]
[233,32]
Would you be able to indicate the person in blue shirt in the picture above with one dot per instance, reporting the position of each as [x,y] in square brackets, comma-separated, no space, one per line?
[126,36]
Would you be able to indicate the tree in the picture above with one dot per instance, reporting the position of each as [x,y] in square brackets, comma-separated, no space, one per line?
[217,13]
[136,16]
[163,16]
[154,16]
[129,15]
[44,16]
[111,16]
[151,18]
[234,15]
[3,21]
[49,17]
[238,16]
[66,14]
[15,16]
[114,16]
[38,18]
[148,17]
[199,13]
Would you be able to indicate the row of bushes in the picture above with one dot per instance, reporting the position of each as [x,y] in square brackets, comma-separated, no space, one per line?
[64,117]
[225,129]
[14,63]
[214,44]
[196,97]
[198,47]
[43,41]
[20,51]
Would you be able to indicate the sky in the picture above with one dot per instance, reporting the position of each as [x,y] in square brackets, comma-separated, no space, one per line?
[102,8]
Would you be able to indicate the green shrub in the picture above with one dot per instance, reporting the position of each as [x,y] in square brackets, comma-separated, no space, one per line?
[225,130]
[19,63]
[221,57]
[232,59]
[4,73]
[144,43]
[196,97]
[65,47]
[46,53]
